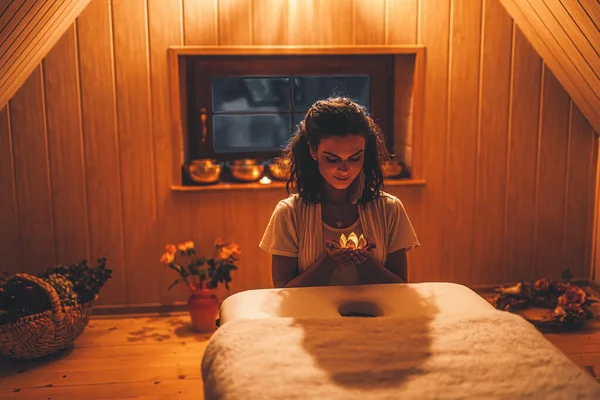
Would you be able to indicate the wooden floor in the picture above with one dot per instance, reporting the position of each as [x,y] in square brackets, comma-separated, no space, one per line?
[141,357]
[153,357]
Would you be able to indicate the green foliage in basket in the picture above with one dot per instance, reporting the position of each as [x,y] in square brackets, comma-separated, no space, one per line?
[87,281]
[75,284]
[64,288]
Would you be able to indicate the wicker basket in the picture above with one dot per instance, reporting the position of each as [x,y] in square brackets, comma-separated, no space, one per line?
[47,332]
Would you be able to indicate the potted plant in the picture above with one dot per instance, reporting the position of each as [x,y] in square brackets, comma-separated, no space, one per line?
[202,276]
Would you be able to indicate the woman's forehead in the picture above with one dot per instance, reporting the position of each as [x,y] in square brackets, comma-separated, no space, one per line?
[342,146]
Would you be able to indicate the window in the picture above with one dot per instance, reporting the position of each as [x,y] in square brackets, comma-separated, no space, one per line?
[260,113]
[232,103]
[249,106]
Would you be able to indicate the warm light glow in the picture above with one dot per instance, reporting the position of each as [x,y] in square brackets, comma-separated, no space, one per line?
[353,241]
[265,180]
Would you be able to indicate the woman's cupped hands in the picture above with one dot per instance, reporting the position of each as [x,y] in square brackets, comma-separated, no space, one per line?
[348,255]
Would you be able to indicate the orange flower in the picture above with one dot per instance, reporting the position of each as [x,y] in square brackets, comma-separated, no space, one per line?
[167,258]
[185,246]
[236,253]
[230,251]
[171,248]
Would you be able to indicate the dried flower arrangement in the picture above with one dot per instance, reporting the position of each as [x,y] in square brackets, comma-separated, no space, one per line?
[569,304]
[202,272]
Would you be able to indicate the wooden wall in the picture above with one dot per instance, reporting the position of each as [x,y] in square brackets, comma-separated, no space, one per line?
[86,163]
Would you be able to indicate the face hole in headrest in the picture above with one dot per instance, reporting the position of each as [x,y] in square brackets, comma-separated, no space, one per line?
[360,308]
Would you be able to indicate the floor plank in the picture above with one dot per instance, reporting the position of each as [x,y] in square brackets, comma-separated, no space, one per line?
[174,389]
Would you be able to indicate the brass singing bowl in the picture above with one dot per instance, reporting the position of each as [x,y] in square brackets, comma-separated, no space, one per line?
[391,169]
[204,171]
[247,170]
[280,169]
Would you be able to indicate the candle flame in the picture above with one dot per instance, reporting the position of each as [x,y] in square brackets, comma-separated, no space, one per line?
[265,180]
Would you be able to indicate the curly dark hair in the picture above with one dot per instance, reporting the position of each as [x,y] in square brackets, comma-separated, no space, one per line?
[336,116]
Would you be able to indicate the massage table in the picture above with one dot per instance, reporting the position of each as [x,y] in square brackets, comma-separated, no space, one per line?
[389,341]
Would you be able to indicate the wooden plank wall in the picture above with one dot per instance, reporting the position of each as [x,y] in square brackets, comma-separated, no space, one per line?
[28,30]
[566,34]
[509,159]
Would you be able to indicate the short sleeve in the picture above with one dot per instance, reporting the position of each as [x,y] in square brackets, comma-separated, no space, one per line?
[280,237]
[401,232]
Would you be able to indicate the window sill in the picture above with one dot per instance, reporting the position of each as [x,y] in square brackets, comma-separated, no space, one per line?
[277,185]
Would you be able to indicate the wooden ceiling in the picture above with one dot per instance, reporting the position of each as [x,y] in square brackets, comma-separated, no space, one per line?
[28,30]
[566,34]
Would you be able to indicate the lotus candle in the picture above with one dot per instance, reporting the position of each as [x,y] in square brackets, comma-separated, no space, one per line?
[354,242]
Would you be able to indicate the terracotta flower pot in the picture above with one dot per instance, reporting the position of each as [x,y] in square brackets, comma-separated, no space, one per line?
[204,310]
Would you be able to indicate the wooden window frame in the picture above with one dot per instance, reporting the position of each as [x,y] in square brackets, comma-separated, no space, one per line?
[401,120]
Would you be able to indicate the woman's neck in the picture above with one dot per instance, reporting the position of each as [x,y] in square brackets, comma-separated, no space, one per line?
[333,195]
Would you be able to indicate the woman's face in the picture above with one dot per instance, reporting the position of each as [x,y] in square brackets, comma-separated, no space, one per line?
[340,159]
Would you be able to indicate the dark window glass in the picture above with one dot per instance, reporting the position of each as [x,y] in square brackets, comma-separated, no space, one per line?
[250,94]
[236,101]
[250,132]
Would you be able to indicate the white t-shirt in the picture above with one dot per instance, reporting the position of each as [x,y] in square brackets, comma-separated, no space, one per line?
[296,229]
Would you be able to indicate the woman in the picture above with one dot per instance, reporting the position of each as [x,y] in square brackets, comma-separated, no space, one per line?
[336,178]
